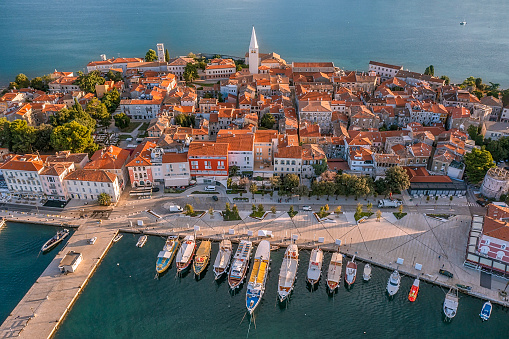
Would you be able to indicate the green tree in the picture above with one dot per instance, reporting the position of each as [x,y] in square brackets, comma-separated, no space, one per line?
[114,76]
[378,215]
[104,199]
[211,210]
[87,82]
[397,179]
[166,55]
[233,170]
[302,191]
[151,55]
[22,136]
[238,68]
[42,141]
[505,97]
[446,78]
[253,188]
[358,209]
[111,100]
[320,167]
[291,212]
[499,149]
[468,82]
[275,181]
[253,207]
[122,120]
[473,133]
[190,72]
[191,55]
[289,183]
[185,120]
[369,206]
[22,81]
[400,208]
[477,163]
[430,70]
[189,210]
[74,137]
[381,186]
[41,83]
[267,121]
[273,209]
[98,111]
[260,208]
[478,83]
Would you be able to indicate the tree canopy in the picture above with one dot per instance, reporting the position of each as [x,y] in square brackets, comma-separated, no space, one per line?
[114,76]
[111,100]
[430,70]
[122,120]
[267,121]
[74,137]
[75,113]
[151,55]
[499,149]
[166,55]
[477,163]
[446,78]
[98,111]
[397,179]
[87,82]
[190,72]
[185,120]
[104,199]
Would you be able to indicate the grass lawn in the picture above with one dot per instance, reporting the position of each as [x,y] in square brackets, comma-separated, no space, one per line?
[399,215]
[294,213]
[124,136]
[144,126]
[132,126]
[257,214]
[195,213]
[363,214]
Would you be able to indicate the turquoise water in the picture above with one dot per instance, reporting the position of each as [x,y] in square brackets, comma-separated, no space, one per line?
[39,36]
[123,300]
[20,261]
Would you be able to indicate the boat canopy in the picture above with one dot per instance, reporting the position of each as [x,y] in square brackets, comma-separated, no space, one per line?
[164,254]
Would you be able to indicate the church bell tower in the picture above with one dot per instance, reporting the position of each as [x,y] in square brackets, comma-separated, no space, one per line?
[254,60]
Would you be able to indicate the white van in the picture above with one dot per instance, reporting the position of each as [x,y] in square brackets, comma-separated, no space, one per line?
[210,188]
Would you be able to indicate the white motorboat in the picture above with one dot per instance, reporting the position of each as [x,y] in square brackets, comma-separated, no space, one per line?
[258,278]
[240,264]
[366,274]
[223,258]
[55,240]
[288,272]
[451,303]
[118,237]
[315,266]
[393,283]
[185,253]
[141,241]
[463,23]
[351,272]
[486,311]
[334,271]
[92,241]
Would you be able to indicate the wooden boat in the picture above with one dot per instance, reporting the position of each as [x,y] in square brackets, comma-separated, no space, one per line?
[351,272]
[55,240]
[315,266]
[334,271]
[486,311]
[366,274]
[414,290]
[393,283]
[258,278]
[446,273]
[240,264]
[288,272]
[141,241]
[165,257]
[185,253]
[223,258]
[118,237]
[451,303]
[202,257]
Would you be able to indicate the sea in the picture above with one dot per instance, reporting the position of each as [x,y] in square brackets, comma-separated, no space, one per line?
[39,36]
[21,262]
[124,299]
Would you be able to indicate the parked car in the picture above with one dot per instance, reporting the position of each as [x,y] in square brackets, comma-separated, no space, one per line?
[155,189]
[482,203]
[210,188]
[307,208]
[215,198]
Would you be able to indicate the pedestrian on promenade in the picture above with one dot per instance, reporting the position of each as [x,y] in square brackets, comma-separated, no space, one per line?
[438,257]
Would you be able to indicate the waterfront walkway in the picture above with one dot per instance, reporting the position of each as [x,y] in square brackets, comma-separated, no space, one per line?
[47,302]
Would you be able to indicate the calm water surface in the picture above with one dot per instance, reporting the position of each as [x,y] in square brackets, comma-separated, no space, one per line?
[21,262]
[123,300]
[38,35]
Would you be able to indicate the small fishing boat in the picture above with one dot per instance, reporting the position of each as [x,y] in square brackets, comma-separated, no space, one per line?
[223,258]
[463,23]
[165,257]
[185,253]
[92,241]
[240,264]
[451,303]
[414,290]
[141,241]
[258,278]
[393,283]
[202,257]
[446,273]
[288,272]
[118,237]
[486,311]
[366,274]
[351,272]
[55,240]
[315,266]
[334,271]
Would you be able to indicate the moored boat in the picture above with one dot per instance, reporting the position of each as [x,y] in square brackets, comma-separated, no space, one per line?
[334,271]
[315,266]
[288,272]
[366,274]
[446,273]
[202,257]
[393,283]
[258,278]
[141,241]
[486,311]
[451,303]
[165,257]
[351,272]
[223,258]
[240,264]
[92,241]
[118,237]
[414,290]
[55,240]
[185,253]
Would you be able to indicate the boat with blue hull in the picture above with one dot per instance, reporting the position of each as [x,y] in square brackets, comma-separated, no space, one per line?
[258,278]
[165,257]
[486,311]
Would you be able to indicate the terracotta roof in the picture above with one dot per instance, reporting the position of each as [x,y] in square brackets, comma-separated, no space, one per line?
[376,63]
[312,152]
[237,141]
[291,152]
[27,162]
[173,157]
[207,148]
[111,157]
[496,228]
[141,154]
[91,175]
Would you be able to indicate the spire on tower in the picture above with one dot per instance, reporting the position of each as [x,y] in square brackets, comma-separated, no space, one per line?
[254,43]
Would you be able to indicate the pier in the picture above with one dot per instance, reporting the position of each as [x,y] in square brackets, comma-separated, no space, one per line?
[47,302]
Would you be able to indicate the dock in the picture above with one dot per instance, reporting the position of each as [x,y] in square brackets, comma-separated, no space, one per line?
[48,301]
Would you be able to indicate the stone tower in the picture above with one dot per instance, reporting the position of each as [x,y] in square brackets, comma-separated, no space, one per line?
[254,60]
[160,52]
